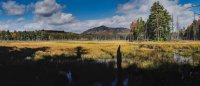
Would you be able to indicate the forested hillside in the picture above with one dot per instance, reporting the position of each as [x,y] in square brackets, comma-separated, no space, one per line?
[38,35]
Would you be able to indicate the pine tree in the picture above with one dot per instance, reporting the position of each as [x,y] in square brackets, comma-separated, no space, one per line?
[141,28]
[158,23]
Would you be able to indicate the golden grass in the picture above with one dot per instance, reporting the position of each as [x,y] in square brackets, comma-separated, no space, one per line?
[144,54]
[97,49]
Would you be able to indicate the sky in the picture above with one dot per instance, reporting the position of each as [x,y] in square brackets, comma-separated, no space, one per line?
[80,15]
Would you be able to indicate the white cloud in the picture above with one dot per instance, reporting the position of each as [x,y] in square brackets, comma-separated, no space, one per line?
[4,26]
[21,19]
[47,8]
[61,18]
[130,11]
[80,26]
[11,25]
[13,8]
[50,12]
[56,19]
[35,26]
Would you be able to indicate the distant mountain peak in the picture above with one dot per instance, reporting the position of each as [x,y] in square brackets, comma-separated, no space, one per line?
[104,30]
[102,26]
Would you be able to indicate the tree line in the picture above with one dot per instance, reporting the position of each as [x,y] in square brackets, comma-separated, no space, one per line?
[37,35]
[55,35]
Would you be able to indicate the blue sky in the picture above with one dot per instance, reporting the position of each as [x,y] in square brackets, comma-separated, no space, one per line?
[79,15]
[82,9]
[189,1]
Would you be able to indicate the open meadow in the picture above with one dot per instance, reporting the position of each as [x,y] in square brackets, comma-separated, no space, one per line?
[58,63]
[141,53]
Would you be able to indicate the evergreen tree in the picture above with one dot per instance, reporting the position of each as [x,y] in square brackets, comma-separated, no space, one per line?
[158,23]
[141,28]
[8,35]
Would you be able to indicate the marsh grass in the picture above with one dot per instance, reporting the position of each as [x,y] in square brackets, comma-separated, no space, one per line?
[143,63]
[145,54]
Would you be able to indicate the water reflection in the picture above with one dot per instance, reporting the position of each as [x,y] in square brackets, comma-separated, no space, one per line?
[124,83]
[182,60]
[69,77]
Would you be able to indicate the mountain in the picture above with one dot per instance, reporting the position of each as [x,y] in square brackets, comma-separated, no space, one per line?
[103,30]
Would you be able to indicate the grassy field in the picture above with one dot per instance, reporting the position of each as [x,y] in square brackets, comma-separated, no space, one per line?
[142,53]
[155,63]
[95,48]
